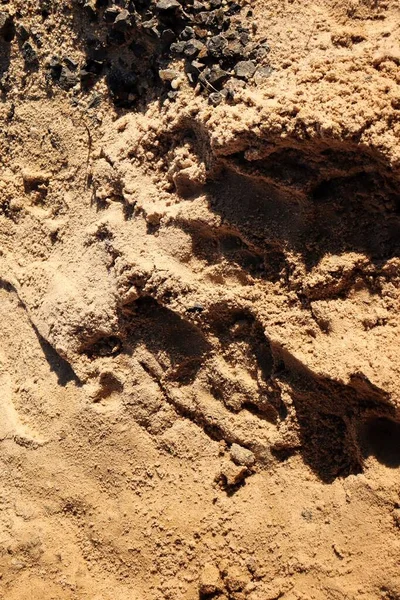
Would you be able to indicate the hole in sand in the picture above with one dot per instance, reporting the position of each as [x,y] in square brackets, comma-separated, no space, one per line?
[381,438]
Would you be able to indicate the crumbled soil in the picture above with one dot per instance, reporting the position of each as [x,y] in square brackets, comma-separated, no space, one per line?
[199,282]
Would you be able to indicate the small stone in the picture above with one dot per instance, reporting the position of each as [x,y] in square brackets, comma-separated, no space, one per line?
[168,74]
[71,63]
[23,32]
[245,69]
[217,75]
[196,308]
[242,456]
[178,47]
[210,580]
[151,27]
[215,98]
[164,5]
[187,33]
[176,83]
[197,6]
[193,48]
[110,14]
[29,54]
[172,95]
[122,20]
[263,73]
[68,79]
[216,45]
[233,474]
[91,7]
[168,36]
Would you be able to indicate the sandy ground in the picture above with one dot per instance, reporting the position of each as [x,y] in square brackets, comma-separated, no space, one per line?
[199,355]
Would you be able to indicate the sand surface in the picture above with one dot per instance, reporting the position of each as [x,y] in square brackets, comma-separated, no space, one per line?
[199,311]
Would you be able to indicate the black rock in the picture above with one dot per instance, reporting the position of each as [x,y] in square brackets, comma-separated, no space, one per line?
[91,8]
[178,47]
[187,33]
[233,9]
[68,79]
[167,5]
[71,63]
[244,38]
[262,51]
[55,68]
[216,45]
[29,54]
[123,20]
[94,101]
[235,49]
[90,71]
[217,75]
[110,14]
[193,48]
[23,32]
[168,36]
[151,27]
[245,69]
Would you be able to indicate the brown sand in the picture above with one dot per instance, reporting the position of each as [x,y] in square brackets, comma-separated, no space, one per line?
[199,356]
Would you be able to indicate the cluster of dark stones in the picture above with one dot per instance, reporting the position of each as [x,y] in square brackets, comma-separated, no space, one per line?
[136,43]
[143,37]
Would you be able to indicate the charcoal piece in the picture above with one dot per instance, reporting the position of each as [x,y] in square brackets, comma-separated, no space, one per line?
[123,86]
